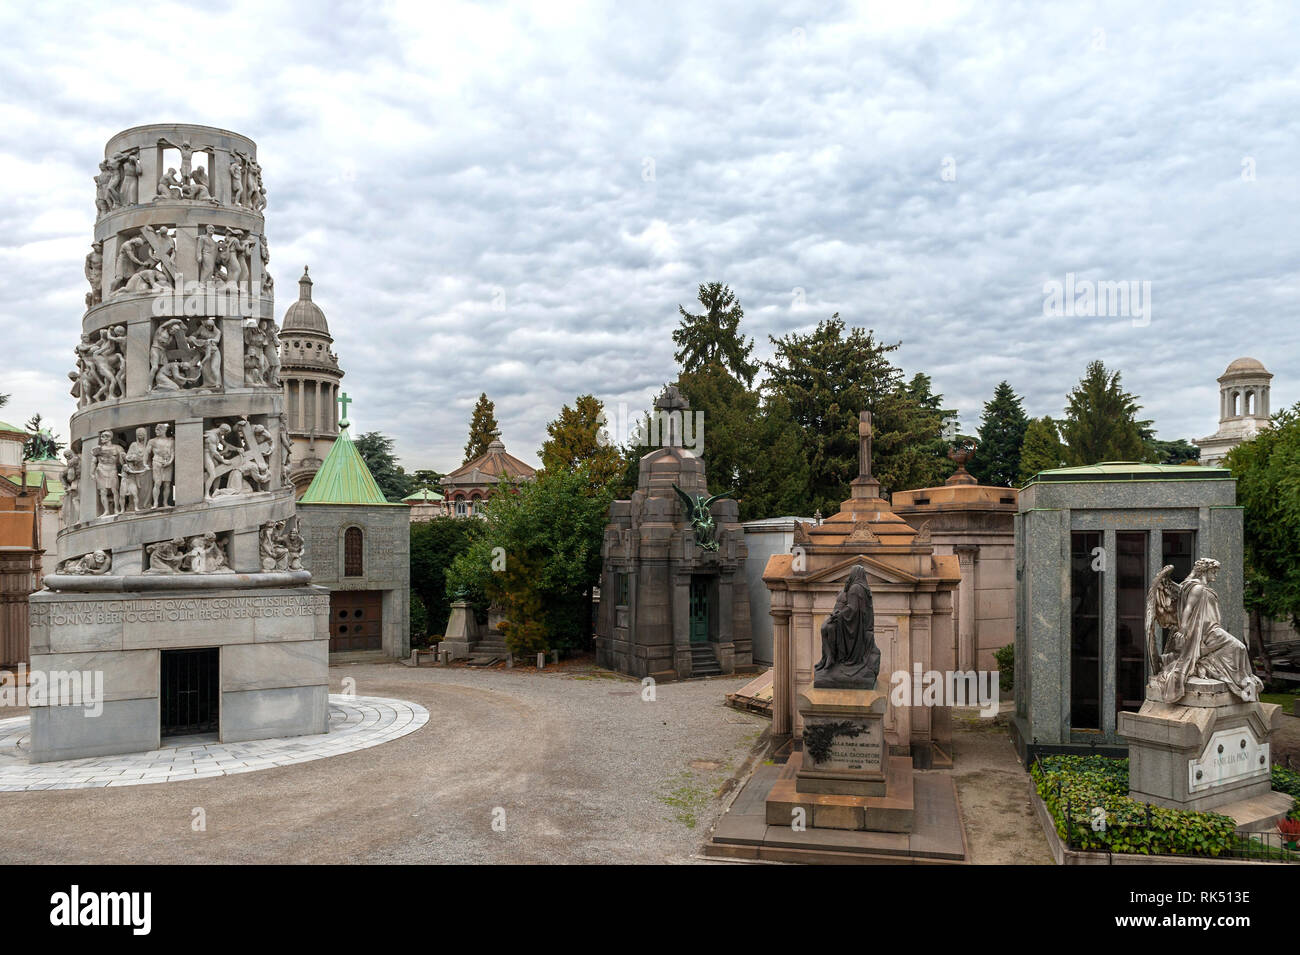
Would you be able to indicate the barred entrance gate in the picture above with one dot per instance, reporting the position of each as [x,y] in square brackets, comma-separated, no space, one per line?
[190,699]
[356,620]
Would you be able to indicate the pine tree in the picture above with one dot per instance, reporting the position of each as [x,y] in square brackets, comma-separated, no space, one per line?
[377,451]
[1101,421]
[714,335]
[578,439]
[1041,450]
[825,378]
[483,429]
[1001,435]
[751,448]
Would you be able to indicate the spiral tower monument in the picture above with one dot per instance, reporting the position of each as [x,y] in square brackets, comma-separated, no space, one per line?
[180,584]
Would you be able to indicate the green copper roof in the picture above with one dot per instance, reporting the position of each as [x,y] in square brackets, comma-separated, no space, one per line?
[1133,471]
[6,426]
[424,494]
[343,478]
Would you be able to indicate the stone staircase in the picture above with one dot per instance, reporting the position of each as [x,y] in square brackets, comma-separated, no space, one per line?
[703,661]
[488,650]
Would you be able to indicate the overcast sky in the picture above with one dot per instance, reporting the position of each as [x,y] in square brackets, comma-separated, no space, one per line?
[515,198]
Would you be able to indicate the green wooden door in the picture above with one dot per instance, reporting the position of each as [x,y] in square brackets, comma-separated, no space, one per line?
[699,610]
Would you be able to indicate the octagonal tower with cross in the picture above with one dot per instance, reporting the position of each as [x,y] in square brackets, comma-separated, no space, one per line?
[180,576]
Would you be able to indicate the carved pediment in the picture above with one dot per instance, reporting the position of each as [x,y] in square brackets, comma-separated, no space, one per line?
[876,571]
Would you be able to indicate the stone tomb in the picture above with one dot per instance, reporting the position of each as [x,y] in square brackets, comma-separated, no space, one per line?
[1210,750]
[180,584]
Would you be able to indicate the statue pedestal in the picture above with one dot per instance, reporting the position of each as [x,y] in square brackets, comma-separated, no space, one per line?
[1206,751]
[462,631]
[843,742]
[844,778]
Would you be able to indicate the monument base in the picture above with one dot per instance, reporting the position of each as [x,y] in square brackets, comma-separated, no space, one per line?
[891,811]
[844,778]
[110,692]
[1207,751]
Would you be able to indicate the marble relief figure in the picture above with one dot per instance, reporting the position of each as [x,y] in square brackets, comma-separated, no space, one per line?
[95,273]
[200,554]
[71,478]
[235,458]
[162,461]
[135,465]
[97,564]
[108,457]
[101,366]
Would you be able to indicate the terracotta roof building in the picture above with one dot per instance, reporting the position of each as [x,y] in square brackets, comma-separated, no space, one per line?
[472,483]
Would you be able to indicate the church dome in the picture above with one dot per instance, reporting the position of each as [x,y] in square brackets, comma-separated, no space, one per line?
[305,315]
[1246,367]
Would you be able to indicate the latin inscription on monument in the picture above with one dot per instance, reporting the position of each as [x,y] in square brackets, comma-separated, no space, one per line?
[154,610]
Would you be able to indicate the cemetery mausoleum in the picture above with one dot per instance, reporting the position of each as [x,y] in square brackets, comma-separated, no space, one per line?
[1089,542]
[180,577]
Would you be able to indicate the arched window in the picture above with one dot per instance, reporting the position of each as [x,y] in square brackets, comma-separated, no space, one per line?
[353,564]
[1250,402]
[462,508]
[1236,404]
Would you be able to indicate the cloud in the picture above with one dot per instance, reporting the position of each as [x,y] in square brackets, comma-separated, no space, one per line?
[515,199]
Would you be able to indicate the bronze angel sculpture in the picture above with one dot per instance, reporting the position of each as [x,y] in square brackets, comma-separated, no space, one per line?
[1197,644]
[698,513]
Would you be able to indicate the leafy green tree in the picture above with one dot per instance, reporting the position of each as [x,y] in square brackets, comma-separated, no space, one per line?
[1041,449]
[549,534]
[714,335]
[825,378]
[483,429]
[1001,435]
[751,447]
[1101,422]
[578,439]
[1170,452]
[434,545]
[423,478]
[377,451]
[1267,490]
[42,443]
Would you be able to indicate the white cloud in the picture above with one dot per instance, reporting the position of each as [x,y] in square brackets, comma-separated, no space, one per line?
[421,161]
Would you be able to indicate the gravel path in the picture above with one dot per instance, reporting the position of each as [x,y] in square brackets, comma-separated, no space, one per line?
[576,764]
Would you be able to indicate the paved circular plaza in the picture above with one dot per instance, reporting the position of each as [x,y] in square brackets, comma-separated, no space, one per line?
[356,723]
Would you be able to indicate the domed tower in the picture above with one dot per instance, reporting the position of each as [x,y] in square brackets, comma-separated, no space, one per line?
[1243,409]
[180,575]
[311,385]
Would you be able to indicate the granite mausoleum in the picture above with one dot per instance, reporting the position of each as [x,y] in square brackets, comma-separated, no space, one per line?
[674,600]
[180,577]
[1089,542]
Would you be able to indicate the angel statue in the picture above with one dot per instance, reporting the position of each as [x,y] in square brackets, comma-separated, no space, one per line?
[697,509]
[1197,646]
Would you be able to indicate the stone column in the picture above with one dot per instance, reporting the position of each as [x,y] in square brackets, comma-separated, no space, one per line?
[967,557]
[782,673]
[1109,624]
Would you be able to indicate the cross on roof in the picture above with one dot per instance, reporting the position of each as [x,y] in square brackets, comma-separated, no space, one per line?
[344,400]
